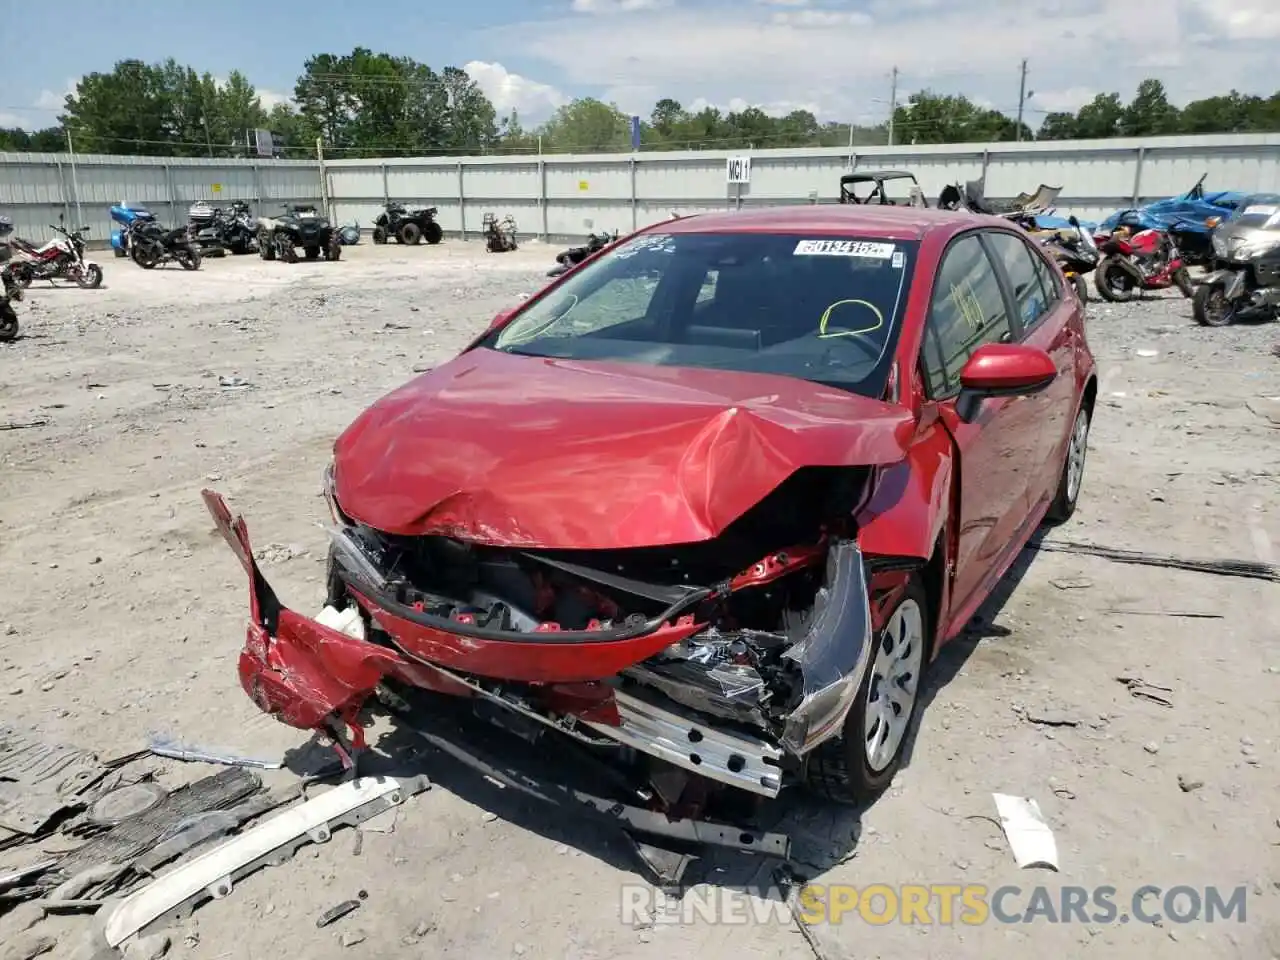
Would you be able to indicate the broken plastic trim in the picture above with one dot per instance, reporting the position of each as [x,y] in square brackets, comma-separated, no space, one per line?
[834,652]
[359,572]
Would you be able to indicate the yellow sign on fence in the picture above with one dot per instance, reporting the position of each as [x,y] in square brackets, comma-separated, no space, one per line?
[217,188]
[582,185]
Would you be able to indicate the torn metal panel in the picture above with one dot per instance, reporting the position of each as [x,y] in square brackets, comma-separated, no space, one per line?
[135,836]
[39,780]
[212,874]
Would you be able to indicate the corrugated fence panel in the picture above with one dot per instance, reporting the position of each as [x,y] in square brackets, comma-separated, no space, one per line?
[559,193]
[423,186]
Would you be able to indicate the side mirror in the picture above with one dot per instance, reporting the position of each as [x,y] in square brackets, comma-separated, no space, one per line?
[1073,221]
[1002,370]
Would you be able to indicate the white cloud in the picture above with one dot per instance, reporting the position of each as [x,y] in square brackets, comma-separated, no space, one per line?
[53,101]
[509,91]
[618,6]
[271,98]
[12,120]
[1069,100]
[838,59]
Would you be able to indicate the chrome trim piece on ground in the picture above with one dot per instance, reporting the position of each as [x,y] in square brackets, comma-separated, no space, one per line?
[735,759]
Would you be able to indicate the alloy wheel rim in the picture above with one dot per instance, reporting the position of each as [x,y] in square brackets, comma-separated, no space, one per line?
[894,685]
[1075,456]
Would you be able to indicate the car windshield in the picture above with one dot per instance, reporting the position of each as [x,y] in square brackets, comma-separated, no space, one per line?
[1261,211]
[820,308]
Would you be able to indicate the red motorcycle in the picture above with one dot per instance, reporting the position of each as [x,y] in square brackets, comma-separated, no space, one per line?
[1133,262]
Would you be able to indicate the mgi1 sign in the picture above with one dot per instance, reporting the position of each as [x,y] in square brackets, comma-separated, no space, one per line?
[738,170]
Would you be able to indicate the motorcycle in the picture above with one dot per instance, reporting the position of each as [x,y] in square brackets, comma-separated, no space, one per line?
[10,291]
[126,214]
[1077,254]
[1245,277]
[150,245]
[1189,218]
[216,231]
[60,259]
[1133,262]
[570,258]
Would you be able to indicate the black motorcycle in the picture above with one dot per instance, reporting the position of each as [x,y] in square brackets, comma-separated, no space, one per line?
[570,258]
[1077,254]
[407,225]
[10,289]
[151,245]
[1245,282]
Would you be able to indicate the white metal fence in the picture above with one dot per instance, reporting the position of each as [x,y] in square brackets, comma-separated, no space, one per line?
[36,187]
[558,196]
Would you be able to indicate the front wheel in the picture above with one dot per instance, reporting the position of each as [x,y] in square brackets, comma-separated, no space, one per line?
[433,233]
[379,234]
[90,276]
[1114,282]
[22,275]
[858,765]
[8,323]
[1182,280]
[1081,288]
[1211,307]
[410,233]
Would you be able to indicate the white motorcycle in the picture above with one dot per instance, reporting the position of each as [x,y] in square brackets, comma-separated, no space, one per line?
[62,258]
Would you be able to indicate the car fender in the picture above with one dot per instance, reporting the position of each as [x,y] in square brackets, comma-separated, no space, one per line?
[907,509]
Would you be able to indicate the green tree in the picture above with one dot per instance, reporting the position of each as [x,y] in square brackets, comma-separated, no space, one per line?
[929,117]
[1058,125]
[587,126]
[1100,117]
[1149,113]
[666,117]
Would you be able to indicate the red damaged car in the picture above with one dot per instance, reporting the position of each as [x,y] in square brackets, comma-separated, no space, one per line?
[717,495]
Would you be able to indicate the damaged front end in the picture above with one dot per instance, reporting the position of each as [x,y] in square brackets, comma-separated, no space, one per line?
[731,659]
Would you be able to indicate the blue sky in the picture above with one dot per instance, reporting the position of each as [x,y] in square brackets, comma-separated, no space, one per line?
[831,56]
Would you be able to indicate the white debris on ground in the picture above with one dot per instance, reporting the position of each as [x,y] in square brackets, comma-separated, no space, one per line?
[125,611]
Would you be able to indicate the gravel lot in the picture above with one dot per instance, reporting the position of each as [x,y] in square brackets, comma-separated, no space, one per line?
[124,612]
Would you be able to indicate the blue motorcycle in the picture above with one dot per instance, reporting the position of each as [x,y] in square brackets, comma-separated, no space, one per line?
[1189,218]
[127,214]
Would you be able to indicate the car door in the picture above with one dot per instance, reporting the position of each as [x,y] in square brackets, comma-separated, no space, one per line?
[969,308]
[1042,316]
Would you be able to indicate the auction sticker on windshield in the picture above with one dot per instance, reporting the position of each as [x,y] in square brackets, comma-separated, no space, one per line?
[844,248]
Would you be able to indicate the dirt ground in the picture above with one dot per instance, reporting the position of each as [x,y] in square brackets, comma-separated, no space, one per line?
[124,612]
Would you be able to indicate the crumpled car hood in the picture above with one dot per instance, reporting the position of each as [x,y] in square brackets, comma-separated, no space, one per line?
[520,451]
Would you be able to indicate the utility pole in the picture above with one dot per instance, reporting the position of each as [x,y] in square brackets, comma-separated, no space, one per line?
[893,101]
[75,183]
[1022,96]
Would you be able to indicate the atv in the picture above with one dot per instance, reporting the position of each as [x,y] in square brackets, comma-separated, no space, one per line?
[499,235]
[301,225]
[407,225]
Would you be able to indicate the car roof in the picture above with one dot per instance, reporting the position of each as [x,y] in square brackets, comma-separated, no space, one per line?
[845,220]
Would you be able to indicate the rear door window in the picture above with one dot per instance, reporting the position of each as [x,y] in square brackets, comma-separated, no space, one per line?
[1025,272]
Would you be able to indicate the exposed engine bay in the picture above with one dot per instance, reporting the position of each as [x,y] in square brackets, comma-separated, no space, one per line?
[730,658]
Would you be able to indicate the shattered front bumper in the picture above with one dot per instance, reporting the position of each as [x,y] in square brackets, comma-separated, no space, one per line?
[311,675]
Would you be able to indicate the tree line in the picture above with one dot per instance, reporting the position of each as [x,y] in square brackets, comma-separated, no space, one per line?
[367,104]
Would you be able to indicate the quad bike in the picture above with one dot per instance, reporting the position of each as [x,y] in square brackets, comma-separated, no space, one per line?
[499,235]
[407,225]
[1133,262]
[60,259]
[10,291]
[1245,282]
[570,258]
[872,186]
[301,225]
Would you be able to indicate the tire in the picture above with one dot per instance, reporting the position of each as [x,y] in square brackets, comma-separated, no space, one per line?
[144,260]
[8,323]
[1102,279]
[1182,280]
[840,769]
[410,233]
[22,275]
[379,234]
[188,259]
[312,253]
[334,250]
[91,277]
[433,233]
[1210,307]
[266,247]
[1071,478]
[1082,288]
[287,252]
